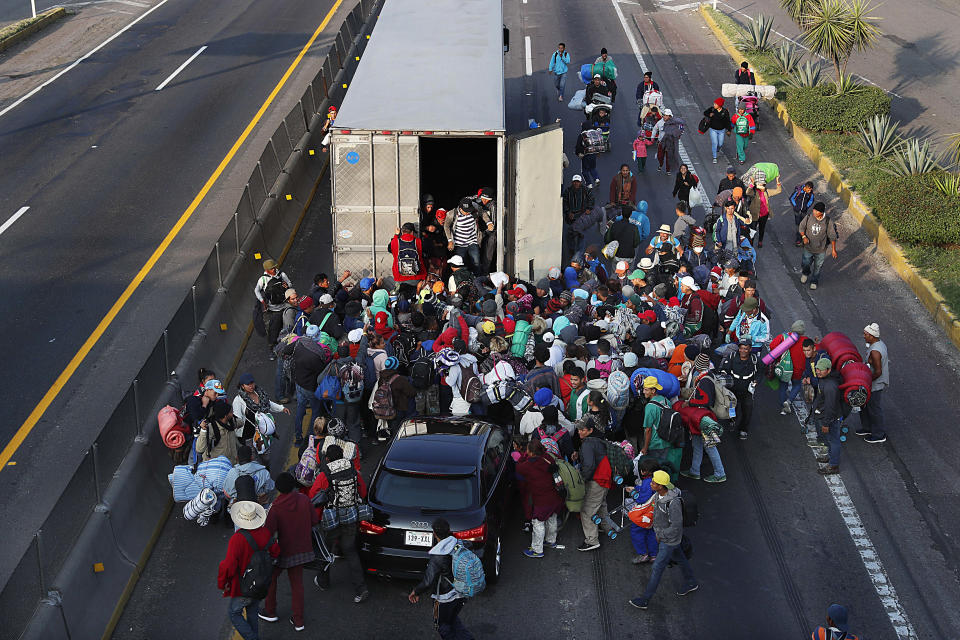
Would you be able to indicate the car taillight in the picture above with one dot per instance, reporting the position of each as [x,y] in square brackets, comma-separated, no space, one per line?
[477,534]
[372,529]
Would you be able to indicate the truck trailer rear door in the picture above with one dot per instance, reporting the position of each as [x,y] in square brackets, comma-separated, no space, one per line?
[535,214]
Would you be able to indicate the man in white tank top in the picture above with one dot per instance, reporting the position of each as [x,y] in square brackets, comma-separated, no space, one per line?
[873,426]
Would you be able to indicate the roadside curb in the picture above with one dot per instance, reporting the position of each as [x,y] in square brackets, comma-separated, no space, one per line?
[925,290]
[35,24]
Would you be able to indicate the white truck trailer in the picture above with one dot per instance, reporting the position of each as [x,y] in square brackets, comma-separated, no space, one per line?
[424,113]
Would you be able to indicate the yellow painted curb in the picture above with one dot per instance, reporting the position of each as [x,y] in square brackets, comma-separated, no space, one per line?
[32,25]
[925,290]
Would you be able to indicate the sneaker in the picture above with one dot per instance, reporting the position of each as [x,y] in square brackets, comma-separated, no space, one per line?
[685,590]
[742,161]
[823,458]
[714,161]
[271,356]
[584,546]
[813,285]
[590,186]
[872,439]
[641,559]
[828,470]
[640,603]
[596,181]
[659,169]
[527,527]
[267,618]
[383,435]
[715,479]
[325,584]
[559,98]
[669,173]
[284,400]
[530,553]
[363,596]
[862,432]
[686,474]
[554,545]
[785,411]
[804,277]
[296,627]
[743,435]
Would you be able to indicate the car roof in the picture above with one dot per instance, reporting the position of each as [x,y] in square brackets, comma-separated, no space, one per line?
[438,445]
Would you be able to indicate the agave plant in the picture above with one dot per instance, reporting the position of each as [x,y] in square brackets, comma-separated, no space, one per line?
[948,184]
[912,158]
[798,9]
[953,148]
[757,35]
[846,85]
[806,75]
[879,136]
[788,58]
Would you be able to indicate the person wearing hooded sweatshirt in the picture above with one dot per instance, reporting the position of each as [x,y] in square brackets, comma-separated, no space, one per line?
[351,415]
[433,240]
[381,299]
[718,123]
[454,380]
[407,251]
[291,518]
[438,581]
[308,360]
[541,501]
[668,526]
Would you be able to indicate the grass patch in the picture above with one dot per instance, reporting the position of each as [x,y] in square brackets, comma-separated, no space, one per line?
[865,175]
[16,27]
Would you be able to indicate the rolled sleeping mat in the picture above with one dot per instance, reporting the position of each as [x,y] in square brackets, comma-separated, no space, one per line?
[779,350]
[669,382]
[731,90]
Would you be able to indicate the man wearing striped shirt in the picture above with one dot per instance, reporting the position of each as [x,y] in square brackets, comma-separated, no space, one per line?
[464,232]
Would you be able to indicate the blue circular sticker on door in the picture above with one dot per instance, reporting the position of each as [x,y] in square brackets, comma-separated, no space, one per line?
[353,157]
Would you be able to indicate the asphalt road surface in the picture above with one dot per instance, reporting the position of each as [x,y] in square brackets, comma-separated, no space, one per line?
[776,543]
[917,59]
[106,164]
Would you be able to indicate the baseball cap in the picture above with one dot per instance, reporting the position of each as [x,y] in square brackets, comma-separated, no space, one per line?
[366,283]
[823,364]
[651,383]
[553,273]
[215,385]
[667,112]
[326,298]
[577,178]
[456,261]
[622,266]
[637,274]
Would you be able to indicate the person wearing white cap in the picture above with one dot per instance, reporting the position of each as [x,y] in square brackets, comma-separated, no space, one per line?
[577,200]
[872,425]
[667,132]
[249,517]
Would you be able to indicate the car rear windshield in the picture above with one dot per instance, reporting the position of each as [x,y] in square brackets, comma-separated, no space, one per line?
[441,493]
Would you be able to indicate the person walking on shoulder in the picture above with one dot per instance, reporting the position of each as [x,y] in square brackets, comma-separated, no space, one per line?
[872,426]
[668,527]
[744,127]
[718,125]
[559,63]
[817,230]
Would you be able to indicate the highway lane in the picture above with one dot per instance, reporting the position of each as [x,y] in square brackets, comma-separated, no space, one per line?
[916,59]
[772,549]
[107,165]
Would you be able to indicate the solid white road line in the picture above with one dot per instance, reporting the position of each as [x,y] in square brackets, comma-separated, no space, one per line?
[6,225]
[180,68]
[75,63]
[838,491]
[526,42]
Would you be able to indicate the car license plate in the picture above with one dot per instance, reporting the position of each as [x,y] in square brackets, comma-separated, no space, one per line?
[419,538]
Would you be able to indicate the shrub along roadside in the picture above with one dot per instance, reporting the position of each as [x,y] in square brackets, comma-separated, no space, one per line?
[939,264]
[912,210]
[819,109]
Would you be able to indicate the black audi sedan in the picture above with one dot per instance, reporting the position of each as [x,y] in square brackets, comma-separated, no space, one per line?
[455,467]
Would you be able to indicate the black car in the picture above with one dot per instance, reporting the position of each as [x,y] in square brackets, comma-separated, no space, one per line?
[454,467]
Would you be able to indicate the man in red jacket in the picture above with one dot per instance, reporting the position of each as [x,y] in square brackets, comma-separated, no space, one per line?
[790,390]
[249,517]
[292,518]
[407,252]
[541,502]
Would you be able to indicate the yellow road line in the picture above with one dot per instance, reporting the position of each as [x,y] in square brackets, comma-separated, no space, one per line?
[111,315]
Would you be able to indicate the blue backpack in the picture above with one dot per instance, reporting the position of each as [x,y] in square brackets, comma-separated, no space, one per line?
[468,576]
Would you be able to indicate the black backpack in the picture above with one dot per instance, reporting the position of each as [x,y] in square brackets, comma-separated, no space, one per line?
[670,428]
[255,580]
[691,512]
[422,373]
[274,290]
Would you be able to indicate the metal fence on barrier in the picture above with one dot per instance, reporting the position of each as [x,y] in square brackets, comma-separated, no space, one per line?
[34,577]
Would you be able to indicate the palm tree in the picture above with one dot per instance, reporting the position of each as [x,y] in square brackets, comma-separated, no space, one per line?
[836,29]
[797,9]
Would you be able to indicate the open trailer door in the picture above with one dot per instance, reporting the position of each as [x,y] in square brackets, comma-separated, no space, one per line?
[534,232]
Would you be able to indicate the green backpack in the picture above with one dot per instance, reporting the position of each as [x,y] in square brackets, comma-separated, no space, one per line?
[784,367]
[572,484]
[521,333]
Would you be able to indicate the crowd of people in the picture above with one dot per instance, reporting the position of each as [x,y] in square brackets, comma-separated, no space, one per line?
[622,362]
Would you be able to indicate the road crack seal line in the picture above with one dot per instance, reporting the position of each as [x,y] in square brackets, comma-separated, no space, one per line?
[603,605]
[868,553]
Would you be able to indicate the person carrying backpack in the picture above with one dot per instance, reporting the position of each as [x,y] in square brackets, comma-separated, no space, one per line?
[595,468]
[348,370]
[668,526]
[652,444]
[801,201]
[238,568]
[391,401]
[439,578]
[541,500]
[407,252]
[270,291]
[338,493]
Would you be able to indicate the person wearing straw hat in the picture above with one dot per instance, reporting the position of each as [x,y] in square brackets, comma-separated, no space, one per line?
[249,518]
[668,526]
